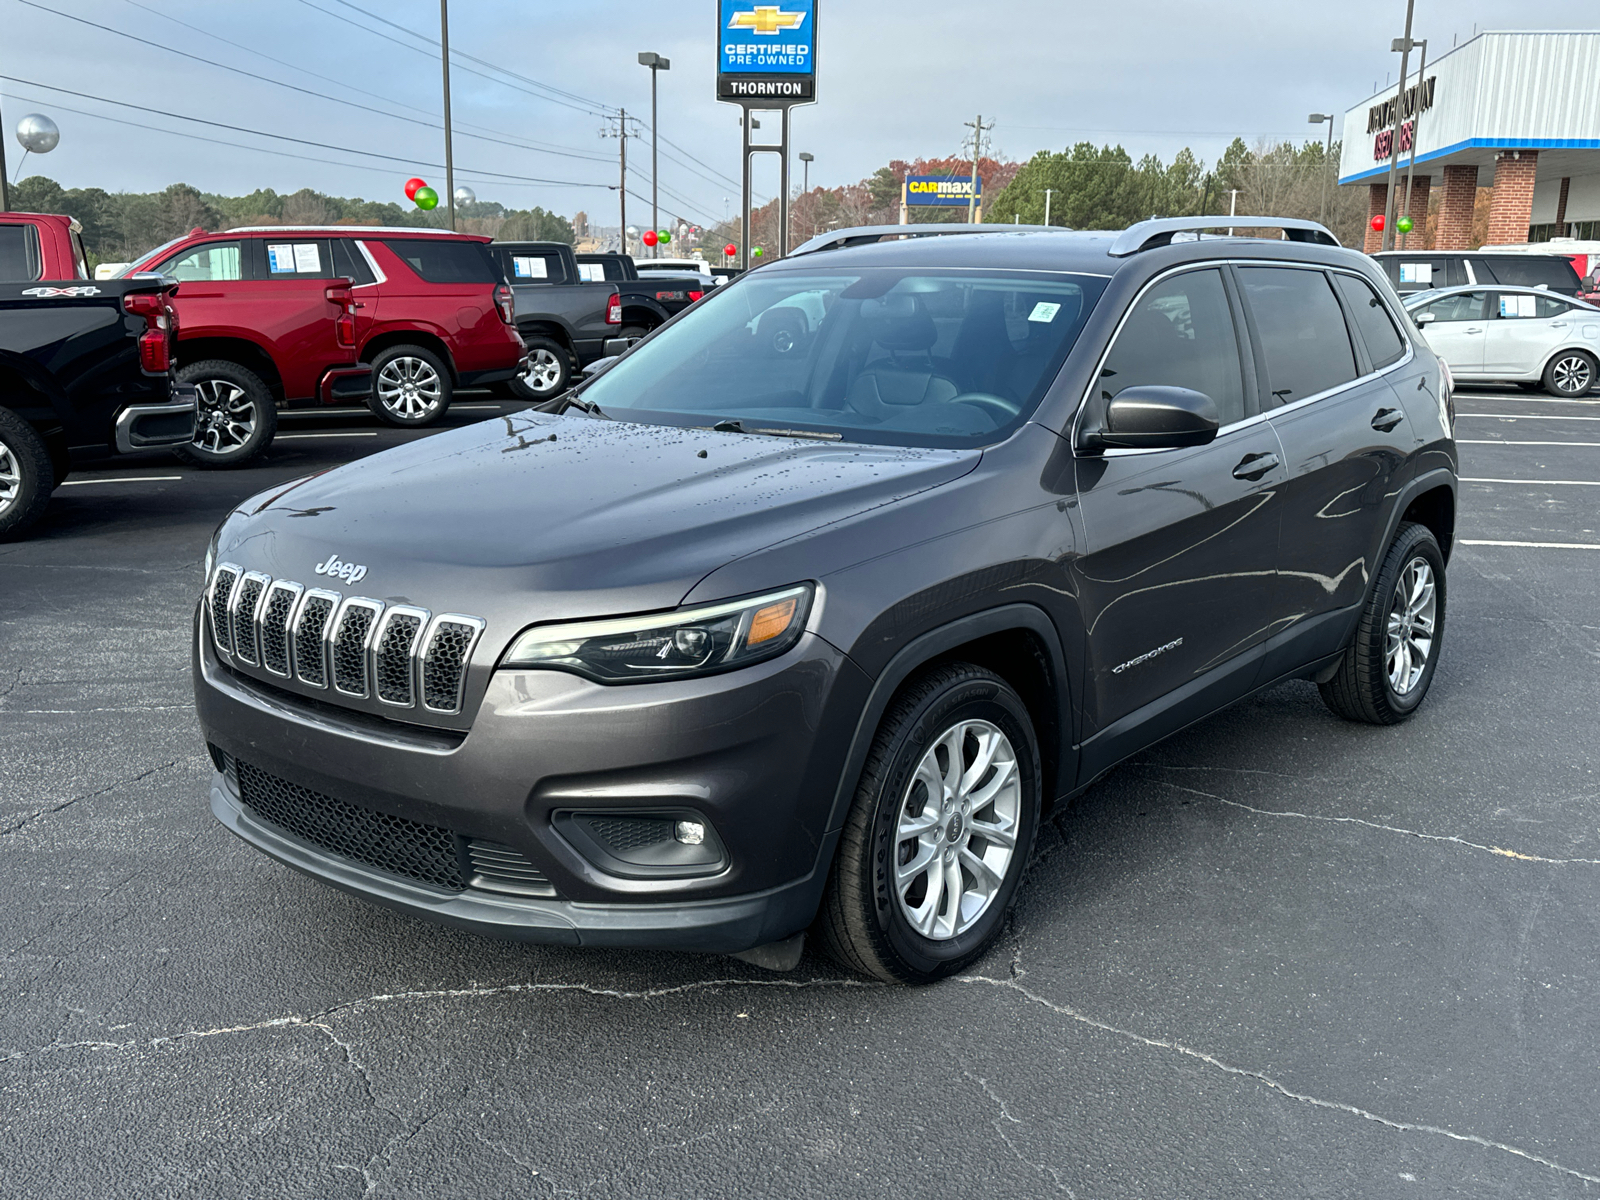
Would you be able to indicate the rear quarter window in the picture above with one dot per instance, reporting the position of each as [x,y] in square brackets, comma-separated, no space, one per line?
[440,260]
[19,253]
[1518,271]
[1371,319]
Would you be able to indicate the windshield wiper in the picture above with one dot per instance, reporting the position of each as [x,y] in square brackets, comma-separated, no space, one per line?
[741,427]
[572,400]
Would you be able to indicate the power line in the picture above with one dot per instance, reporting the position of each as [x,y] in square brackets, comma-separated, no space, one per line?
[728,179]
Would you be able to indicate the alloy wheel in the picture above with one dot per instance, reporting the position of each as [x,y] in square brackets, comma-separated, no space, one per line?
[1413,615]
[409,388]
[10,478]
[1572,375]
[956,831]
[544,371]
[226,418]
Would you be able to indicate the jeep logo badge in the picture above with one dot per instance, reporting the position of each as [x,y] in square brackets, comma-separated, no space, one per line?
[349,572]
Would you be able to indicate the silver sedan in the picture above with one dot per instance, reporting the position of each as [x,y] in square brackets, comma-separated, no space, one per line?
[1525,335]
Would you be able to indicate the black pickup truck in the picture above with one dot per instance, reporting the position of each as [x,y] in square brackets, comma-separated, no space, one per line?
[567,321]
[648,300]
[84,375]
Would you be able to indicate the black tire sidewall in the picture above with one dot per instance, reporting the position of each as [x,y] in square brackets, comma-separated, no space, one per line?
[34,468]
[1549,373]
[524,392]
[1416,541]
[446,387]
[266,426]
[988,699]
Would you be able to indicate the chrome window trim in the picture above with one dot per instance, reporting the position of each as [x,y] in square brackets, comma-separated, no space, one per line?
[414,659]
[254,616]
[297,590]
[478,625]
[295,619]
[377,271]
[330,640]
[226,651]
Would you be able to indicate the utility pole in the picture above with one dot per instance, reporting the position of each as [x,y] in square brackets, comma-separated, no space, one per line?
[1233,206]
[656,64]
[449,160]
[621,134]
[1403,45]
[1416,124]
[1047,192]
[978,130]
[5,199]
[1327,161]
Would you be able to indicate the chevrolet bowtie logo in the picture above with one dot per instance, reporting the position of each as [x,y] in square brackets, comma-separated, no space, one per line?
[768,19]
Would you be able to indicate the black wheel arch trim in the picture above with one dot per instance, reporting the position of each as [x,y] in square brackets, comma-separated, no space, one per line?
[1426,482]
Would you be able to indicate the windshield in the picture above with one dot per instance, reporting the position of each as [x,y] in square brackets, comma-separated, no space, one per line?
[150,256]
[904,357]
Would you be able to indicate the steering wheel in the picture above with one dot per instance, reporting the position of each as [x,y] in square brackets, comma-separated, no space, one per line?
[996,406]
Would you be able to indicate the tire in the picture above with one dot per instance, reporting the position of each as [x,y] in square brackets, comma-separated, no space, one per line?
[411,387]
[1529,385]
[903,930]
[26,476]
[236,419]
[633,331]
[549,371]
[1570,373]
[1365,686]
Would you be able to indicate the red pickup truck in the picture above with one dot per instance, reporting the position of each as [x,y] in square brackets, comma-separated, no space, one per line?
[282,315]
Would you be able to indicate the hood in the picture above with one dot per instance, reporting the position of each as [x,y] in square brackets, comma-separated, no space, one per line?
[534,517]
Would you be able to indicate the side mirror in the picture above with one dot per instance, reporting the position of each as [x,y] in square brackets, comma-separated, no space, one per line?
[1157,418]
[1425,318]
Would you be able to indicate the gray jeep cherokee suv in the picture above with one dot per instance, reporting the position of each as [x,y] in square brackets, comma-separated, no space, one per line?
[799,613]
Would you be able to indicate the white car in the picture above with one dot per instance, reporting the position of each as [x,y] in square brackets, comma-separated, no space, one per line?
[1529,336]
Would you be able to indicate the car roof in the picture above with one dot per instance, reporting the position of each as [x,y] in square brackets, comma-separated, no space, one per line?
[347,230]
[1489,287]
[1486,252]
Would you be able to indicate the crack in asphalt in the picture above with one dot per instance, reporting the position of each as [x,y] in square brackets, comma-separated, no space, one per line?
[1014,984]
[66,804]
[1005,1115]
[1499,851]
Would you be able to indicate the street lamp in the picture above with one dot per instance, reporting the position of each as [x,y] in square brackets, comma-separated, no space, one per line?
[1318,119]
[808,158]
[656,63]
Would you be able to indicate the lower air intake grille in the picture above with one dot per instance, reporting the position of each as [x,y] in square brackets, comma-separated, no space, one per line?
[623,834]
[394,844]
[497,868]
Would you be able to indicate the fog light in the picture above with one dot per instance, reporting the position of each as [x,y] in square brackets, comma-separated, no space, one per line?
[690,833]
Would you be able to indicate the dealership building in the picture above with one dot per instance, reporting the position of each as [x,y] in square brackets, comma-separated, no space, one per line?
[1518,112]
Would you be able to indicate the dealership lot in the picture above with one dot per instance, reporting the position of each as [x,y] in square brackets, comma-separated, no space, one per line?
[1277,955]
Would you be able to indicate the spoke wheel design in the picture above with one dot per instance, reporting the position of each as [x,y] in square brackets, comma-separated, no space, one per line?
[409,388]
[226,418]
[1413,611]
[10,478]
[1572,375]
[544,372]
[957,829]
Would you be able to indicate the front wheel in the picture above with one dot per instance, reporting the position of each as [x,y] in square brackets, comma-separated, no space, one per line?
[940,831]
[235,419]
[1387,669]
[548,373]
[26,476]
[1570,373]
[410,387]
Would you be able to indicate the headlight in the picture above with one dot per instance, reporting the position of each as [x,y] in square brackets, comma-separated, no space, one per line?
[692,641]
[211,554]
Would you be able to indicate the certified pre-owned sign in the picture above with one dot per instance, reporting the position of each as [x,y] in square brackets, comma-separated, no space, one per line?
[767,51]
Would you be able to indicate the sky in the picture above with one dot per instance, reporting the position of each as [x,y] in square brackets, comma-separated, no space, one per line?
[897,79]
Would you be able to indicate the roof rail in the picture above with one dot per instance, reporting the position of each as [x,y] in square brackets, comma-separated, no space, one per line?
[860,235]
[1147,235]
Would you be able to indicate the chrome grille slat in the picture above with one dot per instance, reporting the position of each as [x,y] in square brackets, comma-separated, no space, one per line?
[277,607]
[309,624]
[446,655]
[394,654]
[223,582]
[348,638]
[242,616]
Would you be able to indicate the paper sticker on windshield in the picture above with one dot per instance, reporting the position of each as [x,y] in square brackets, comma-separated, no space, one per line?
[1416,272]
[531,267]
[1044,311]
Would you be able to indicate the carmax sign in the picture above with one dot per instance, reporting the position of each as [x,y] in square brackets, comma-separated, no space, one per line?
[941,190]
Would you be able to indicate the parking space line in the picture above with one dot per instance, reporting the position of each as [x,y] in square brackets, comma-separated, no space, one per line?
[341,433]
[128,479]
[1535,545]
[1539,482]
[1524,417]
[1530,400]
[1502,442]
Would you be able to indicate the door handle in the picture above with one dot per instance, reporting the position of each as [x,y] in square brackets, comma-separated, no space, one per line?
[1472,331]
[1386,419]
[1254,466]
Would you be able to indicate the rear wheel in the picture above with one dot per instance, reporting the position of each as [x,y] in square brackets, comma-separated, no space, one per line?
[1389,666]
[410,387]
[26,476]
[1570,373]
[548,374]
[235,420]
[941,829]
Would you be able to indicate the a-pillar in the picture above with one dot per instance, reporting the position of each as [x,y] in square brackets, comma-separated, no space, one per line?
[1417,210]
[1455,208]
[1511,207]
[1377,196]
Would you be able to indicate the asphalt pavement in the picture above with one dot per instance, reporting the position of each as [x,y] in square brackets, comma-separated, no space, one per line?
[1279,955]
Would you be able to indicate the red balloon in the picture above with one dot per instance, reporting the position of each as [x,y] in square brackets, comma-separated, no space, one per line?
[730,249]
[1377,222]
[650,237]
[413,185]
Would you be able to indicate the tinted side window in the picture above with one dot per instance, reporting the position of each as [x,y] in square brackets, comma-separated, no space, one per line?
[1372,321]
[19,252]
[1415,274]
[525,267]
[1530,271]
[1549,306]
[298,259]
[439,260]
[1180,333]
[350,263]
[1303,334]
[1462,306]
[207,263]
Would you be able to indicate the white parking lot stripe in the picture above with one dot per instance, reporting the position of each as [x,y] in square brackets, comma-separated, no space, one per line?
[1536,545]
[129,479]
[1523,417]
[342,433]
[1501,442]
[1526,400]
[1539,482]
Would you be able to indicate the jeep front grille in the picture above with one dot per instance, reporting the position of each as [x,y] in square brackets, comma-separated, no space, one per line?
[361,648]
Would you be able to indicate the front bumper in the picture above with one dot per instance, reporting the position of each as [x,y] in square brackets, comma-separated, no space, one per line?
[152,426]
[756,753]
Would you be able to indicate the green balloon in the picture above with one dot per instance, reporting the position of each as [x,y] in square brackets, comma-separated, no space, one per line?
[756,252]
[1405,224]
[665,236]
[426,198]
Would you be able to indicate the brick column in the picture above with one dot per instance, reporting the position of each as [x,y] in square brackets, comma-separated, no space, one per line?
[1511,207]
[1561,207]
[1417,210]
[1455,208]
[1377,195]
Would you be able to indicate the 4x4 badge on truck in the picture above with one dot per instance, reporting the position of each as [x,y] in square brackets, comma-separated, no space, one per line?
[349,572]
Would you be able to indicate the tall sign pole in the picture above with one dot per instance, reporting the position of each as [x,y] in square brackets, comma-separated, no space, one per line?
[1416,125]
[449,159]
[766,60]
[5,199]
[1404,46]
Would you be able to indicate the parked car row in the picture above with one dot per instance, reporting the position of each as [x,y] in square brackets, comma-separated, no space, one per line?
[1528,336]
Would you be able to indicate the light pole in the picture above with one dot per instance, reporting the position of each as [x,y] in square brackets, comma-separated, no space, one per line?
[1047,192]
[1403,45]
[5,200]
[808,158]
[449,160]
[1318,119]
[656,63]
